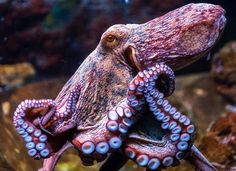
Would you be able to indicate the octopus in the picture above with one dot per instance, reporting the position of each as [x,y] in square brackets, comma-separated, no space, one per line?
[114,107]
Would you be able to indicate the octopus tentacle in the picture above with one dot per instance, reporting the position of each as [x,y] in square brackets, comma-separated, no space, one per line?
[63,118]
[180,130]
[122,117]
[196,158]
[37,129]
[35,139]
[68,107]
[50,163]
[111,130]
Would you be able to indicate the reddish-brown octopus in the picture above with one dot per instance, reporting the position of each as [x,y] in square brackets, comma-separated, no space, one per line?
[115,102]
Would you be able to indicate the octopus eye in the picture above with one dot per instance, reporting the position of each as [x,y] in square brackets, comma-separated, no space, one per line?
[110,41]
[110,38]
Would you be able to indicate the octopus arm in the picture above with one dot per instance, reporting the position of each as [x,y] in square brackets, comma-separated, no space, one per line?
[199,161]
[163,135]
[50,163]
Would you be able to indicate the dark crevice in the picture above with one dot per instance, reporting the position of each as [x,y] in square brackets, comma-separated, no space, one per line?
[163,84]
[129,57]
[225,132]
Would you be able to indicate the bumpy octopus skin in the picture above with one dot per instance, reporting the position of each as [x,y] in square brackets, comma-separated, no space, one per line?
[115,102]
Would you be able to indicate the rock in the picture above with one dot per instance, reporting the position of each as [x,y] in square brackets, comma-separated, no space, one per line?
[4,166]
[6,108]
[224,71]
[15,75]
[219,144]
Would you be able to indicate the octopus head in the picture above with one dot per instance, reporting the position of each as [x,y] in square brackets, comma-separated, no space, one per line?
[177,39]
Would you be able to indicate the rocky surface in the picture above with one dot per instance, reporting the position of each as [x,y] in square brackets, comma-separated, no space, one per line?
[15,75]
[220,142]
[195,95]
[224,72]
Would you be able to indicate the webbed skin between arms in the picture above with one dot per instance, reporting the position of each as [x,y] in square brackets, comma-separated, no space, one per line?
[126,77]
